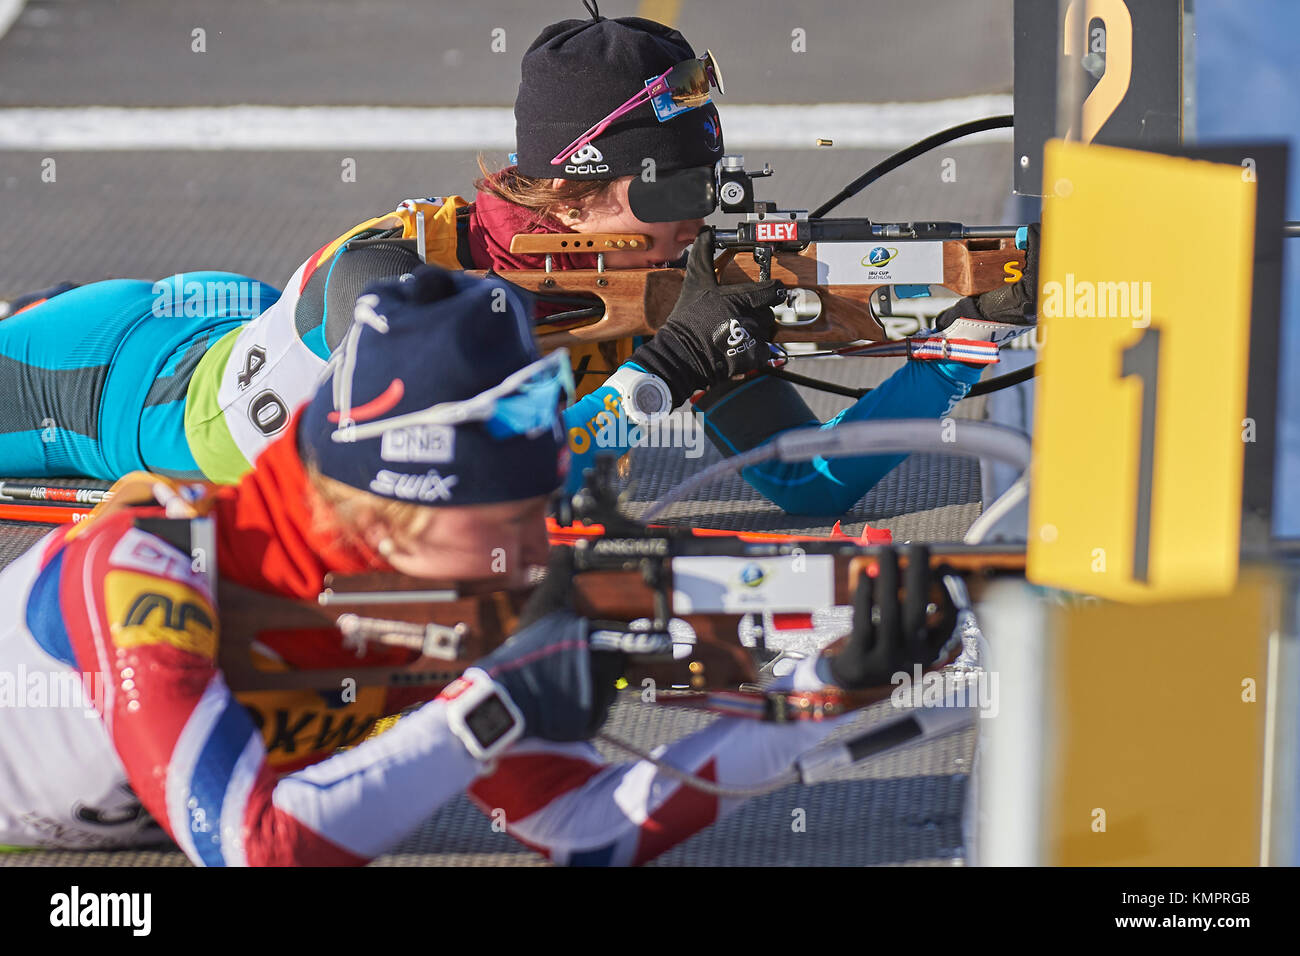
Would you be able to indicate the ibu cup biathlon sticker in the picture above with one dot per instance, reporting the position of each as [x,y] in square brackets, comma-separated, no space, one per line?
[704,584]
[879,263]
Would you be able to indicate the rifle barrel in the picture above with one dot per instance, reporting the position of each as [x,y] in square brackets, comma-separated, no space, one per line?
[864,230]
[937,230]
[989,232]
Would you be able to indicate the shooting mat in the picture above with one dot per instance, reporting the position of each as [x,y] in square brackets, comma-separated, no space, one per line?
[260,213]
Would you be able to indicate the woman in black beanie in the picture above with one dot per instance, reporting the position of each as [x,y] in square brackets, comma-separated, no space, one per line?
[236,375]
[579,163]
[600,102]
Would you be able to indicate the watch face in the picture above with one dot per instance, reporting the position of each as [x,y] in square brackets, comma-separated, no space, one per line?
[489,721]
[649,399]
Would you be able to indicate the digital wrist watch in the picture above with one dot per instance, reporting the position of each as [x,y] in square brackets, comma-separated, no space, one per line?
[481,714]
[645,396]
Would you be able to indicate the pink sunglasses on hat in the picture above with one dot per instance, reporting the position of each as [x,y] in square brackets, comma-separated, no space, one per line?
[683,87]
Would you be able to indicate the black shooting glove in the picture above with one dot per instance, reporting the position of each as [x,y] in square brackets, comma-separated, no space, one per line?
[715,331]
[1014,304]
[890,636]
[560,669]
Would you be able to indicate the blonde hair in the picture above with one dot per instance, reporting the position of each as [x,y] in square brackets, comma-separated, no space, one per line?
[340,509]
[545,199]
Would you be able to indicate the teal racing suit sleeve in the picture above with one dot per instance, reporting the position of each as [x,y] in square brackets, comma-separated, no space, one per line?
[596,424]
[738,416]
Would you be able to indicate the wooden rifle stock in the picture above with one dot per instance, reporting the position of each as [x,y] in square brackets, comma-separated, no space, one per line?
[638,301]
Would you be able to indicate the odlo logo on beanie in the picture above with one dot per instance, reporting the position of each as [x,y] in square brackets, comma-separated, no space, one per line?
[586,161]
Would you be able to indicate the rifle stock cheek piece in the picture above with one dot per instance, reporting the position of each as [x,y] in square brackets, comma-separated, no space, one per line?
[591,243]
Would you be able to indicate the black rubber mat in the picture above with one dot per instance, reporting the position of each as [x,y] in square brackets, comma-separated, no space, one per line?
[926,498]
[17,536]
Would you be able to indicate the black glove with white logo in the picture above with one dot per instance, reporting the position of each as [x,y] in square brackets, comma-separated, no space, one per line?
[715,331]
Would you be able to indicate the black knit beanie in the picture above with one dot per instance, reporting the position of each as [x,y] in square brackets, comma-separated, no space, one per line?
[577,73]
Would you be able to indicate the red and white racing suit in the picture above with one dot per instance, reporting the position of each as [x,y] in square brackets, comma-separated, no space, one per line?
[257,778]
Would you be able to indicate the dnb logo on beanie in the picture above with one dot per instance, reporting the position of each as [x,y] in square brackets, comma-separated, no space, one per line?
[428,443]
[438,396]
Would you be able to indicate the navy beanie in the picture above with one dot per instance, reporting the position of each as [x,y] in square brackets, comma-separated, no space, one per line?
[432,337]
[577,72]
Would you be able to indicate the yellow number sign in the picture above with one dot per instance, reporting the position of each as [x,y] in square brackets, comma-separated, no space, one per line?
[1141,396]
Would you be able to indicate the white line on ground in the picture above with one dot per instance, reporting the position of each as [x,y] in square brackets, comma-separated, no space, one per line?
[792,126]
[9,10]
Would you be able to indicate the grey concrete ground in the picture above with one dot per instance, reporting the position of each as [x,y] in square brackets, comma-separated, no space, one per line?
[149,214]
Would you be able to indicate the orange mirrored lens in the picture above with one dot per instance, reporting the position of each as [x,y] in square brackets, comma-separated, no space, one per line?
[688,84]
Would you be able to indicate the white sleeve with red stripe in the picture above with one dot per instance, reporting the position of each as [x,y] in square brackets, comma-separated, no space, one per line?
[565,802]
[227,807]
[136,611]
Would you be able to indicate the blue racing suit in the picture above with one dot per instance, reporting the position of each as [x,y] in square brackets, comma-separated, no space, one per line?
[738,417]
[114,400]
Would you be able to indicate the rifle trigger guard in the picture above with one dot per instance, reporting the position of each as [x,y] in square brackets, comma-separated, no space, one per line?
[794,321]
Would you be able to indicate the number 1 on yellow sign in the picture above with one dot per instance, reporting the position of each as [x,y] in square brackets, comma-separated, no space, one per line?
[1141,395]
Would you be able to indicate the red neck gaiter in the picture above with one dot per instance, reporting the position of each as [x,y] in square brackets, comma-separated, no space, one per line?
[266,538]
[493,222]
[265,534]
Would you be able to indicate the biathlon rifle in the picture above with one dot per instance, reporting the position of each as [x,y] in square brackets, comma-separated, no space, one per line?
[906,599]
[659,574]
[841,265]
